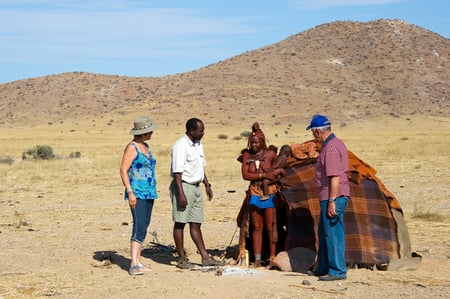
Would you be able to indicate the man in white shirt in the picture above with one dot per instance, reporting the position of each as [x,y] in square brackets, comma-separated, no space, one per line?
[187,171]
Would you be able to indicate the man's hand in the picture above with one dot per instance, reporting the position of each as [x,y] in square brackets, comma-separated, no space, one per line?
[182,201]
[209,192]
[332,209]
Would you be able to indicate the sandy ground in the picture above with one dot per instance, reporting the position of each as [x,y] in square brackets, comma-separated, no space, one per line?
[57,226]
[56,250]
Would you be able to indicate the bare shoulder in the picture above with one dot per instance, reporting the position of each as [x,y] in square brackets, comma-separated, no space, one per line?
[246,155]
[130,149]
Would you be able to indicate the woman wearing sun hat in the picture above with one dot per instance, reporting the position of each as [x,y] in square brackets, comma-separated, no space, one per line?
[137,172]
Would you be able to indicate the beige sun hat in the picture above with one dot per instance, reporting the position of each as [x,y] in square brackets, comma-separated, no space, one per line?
[143,125]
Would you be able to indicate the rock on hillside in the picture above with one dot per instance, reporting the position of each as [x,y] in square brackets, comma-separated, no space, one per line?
[346,70]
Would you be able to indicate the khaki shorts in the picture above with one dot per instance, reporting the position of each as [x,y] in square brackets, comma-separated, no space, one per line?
[194,209]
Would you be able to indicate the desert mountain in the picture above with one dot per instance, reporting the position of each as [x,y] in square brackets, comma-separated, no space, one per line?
[347,70]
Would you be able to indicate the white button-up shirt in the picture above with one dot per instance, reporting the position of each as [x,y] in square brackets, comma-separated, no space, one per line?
[188,159]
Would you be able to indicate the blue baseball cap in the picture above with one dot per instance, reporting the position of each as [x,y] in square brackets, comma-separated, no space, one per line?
[318,121]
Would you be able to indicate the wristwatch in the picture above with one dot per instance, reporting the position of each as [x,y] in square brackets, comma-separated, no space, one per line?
[332,200]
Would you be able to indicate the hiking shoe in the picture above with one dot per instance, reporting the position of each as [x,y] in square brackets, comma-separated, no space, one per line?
[212,262]
[184,264]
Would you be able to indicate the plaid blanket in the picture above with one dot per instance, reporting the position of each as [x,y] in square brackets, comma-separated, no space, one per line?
[370,229]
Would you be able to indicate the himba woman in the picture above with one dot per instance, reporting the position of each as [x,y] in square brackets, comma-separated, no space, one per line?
[256,166]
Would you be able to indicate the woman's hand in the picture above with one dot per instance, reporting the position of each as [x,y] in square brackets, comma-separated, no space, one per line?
[132,200]
[269,175]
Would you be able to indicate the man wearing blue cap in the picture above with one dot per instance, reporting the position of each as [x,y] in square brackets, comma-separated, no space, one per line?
[334,193]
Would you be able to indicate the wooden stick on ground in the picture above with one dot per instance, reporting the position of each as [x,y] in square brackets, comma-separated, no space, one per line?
[317,289]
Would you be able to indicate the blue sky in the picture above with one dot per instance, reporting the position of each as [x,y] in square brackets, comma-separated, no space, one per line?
[157,38]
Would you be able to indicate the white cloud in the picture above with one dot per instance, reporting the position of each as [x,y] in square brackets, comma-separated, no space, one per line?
[61,29]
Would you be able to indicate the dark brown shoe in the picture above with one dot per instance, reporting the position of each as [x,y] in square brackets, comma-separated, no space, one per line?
[212,262]
[184,264]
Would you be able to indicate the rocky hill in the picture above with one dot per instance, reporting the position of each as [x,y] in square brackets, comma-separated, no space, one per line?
[347,70]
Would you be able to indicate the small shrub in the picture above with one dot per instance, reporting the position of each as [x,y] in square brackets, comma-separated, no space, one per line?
[222,136]
[420,213]
[245,134]
[6,160]
[74,155]
[39,152]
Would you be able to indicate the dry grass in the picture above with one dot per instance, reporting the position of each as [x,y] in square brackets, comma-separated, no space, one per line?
[408,154]
[420,213]
[55,214]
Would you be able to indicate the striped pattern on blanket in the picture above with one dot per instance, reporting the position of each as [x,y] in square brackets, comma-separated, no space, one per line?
[370,230]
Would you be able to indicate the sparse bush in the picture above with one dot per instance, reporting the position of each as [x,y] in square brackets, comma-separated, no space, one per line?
[39,152]
[6,160]
[420,213]
[245,134]
[74,155]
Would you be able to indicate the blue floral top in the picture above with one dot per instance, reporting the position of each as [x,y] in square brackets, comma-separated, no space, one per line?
[142,175]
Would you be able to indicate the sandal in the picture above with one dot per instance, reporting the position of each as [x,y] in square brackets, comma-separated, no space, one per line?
[135,270]
[257,264]
[144,268]
[184,264]
[212,262]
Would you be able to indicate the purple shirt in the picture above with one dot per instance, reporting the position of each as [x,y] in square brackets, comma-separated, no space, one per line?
[332,161]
